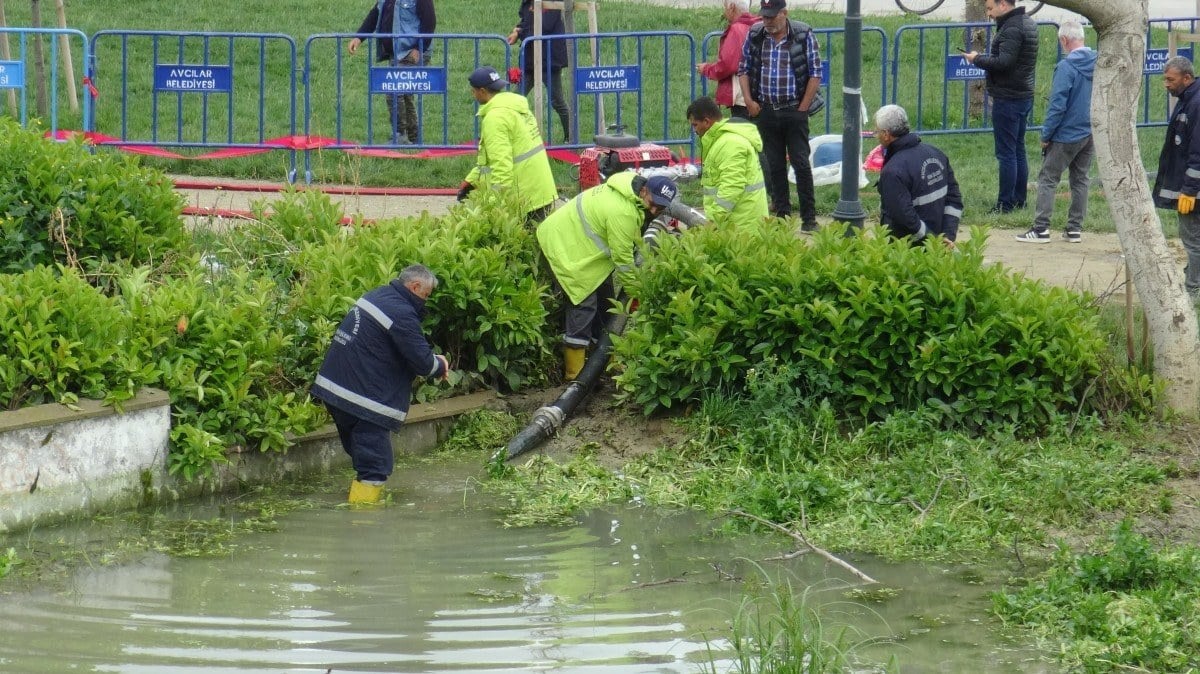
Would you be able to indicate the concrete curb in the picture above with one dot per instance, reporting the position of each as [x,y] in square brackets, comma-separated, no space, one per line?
[59,462]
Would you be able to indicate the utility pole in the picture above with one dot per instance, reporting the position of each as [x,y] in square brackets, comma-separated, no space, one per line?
[849,208]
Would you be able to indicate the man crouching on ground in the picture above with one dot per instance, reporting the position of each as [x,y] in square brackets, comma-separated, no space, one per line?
[918,195]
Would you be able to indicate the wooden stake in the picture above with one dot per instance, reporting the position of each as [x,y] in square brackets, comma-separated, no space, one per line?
[64,55]
[39,64]
[7,56]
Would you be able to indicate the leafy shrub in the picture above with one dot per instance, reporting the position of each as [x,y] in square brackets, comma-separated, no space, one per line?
[873,325]
[487,315]
[63,340]
[217,343]
[63,204]
[1126,606]
[268,243]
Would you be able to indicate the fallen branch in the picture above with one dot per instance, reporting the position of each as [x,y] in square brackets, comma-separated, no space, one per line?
[797,536]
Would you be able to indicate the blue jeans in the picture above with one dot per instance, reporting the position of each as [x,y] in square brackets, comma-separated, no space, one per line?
[1009,118]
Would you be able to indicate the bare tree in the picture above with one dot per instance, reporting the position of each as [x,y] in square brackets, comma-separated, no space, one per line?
[1157,277]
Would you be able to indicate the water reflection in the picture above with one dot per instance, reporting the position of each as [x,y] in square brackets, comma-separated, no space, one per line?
[436,585]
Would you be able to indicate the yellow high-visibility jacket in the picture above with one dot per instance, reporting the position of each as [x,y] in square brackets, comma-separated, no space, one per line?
[732,177]
[594,235]
[511,152]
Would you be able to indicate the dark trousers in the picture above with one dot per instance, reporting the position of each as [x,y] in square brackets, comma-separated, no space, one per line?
[402,109]
[1009,118]
[369,445]
[785,139]
[585,322]
[558,98]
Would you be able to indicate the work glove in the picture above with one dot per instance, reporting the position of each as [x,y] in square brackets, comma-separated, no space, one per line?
[1186,204]
[463,190]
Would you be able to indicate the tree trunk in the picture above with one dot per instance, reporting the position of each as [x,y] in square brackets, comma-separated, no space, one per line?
[39,63]
[975,39]
[1157,277]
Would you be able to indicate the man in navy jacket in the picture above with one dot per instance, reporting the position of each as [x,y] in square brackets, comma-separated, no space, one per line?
[1178,178]
[919,196]
[366,378]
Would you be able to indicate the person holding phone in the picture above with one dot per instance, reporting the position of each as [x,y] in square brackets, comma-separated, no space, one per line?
[1009,66]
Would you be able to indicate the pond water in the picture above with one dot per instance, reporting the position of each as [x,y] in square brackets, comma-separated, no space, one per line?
[435,584]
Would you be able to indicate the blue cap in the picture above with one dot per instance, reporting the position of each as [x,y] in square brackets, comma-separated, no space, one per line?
[662,190]
[487,78]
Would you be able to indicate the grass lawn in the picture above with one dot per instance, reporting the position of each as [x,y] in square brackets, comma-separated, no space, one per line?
[970,153]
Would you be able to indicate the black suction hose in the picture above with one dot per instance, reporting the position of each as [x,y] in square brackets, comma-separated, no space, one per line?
[547,420]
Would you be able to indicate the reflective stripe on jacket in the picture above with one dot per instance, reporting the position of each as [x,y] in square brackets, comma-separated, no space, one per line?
[732,176]
[1179,162]
[511,152]
[594,235]
[376,352]
[918,193]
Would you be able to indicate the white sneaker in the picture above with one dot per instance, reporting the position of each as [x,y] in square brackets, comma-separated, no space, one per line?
[1072,237]
[1034,236]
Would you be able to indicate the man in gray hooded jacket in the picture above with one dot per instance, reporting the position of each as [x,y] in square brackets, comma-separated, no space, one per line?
[1066,137]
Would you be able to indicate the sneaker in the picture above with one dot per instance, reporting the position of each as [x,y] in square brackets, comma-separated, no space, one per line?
[1034,236]
[809,227]
[1072,237]
[1000,209]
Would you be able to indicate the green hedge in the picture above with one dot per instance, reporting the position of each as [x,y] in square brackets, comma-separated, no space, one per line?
[489,313]
[872,325]
[63,204]
[61,340]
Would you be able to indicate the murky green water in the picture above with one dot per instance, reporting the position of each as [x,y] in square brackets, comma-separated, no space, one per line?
[435,584]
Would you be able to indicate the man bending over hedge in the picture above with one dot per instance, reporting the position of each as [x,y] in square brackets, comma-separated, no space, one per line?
[587,240]
[366,378]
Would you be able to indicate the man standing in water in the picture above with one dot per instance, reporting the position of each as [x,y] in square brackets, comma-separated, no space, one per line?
[366,379]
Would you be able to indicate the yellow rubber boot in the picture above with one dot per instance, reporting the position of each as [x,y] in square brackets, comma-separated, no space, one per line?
[362,493]
[573,357]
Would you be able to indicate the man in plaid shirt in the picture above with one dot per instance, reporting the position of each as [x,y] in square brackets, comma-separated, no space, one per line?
[780,77]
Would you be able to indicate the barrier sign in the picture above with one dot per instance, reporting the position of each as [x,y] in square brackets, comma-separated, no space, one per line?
[1156,58]
[206,78]
[608,79]
[414,80]
[957,68]
[12,74]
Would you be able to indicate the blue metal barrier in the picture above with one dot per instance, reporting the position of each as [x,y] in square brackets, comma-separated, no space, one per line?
[611,87]
[342,99]
[17,74]
[1155,99]
[176,89]
[937,61]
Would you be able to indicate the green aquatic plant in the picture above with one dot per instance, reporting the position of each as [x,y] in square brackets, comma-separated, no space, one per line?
[1130,605]
[7,561]
[778,629]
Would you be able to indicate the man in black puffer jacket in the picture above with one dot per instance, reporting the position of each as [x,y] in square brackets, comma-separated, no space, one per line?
[1009,66]
[366,379]
[919,196]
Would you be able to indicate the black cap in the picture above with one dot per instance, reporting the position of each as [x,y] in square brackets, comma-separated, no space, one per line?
[770,8]
[487,78]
